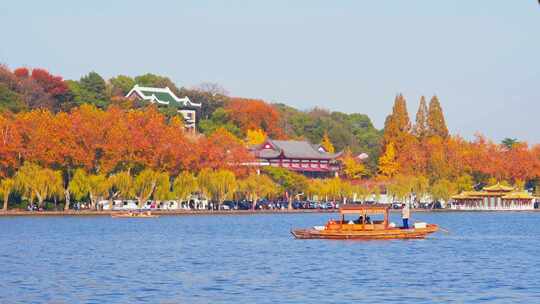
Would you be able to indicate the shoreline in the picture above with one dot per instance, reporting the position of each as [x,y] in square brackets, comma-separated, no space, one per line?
[20,213]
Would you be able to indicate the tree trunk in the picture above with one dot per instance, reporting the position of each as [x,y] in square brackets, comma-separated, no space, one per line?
[290,202]
[40,201]
[92,202]
[6,199]
[255,199]
[68,199]
[140,202]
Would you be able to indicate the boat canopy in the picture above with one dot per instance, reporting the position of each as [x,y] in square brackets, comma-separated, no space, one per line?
[364,209]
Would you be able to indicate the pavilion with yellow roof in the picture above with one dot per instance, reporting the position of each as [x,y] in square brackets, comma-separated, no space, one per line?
[496,197]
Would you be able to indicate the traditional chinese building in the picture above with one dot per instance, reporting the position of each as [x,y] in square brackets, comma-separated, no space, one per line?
[165,97]
[300,156]
[497,197]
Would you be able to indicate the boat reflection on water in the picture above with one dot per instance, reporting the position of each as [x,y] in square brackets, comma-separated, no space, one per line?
[135,214]
[363,228]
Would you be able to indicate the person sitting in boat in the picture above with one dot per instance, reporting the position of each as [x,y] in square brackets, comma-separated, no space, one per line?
[359,220]
[405,215]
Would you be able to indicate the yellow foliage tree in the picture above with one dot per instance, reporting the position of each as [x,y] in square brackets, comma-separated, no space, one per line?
[327,144]
[255,137]
[352,168]
[388,166]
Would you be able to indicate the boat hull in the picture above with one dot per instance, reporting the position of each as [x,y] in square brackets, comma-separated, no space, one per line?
[379,234]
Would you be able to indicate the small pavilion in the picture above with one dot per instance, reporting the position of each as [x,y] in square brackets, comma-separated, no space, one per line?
[496,197]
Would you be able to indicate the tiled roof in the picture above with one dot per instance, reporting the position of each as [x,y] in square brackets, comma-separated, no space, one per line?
[498,187]
[292,149]
[162,96]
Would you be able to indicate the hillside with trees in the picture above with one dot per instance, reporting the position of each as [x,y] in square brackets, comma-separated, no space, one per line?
[72,139]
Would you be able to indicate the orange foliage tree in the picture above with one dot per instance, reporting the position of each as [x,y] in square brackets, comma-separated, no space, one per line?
[251,114]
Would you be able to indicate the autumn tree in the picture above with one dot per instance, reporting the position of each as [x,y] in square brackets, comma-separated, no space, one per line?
[420,187]
[256,186]
[420,128]
[95,186]
[388,167]
[327,144]
[222,150]
[53,85]
[464,182]
[353,168]
[184,185]
[145,184]
[163,188]
[219,185]
[293,184]
[397,126]
[255,137]
[401,187]
[360,193]
[10,145]
[249,114]
[121,185]
[7,186]
[435,121]
[442,190]
[34,181]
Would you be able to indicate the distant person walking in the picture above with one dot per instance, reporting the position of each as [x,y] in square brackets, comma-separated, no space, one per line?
[405,215]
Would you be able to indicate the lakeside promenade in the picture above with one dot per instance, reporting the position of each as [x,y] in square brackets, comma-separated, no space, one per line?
[215,212]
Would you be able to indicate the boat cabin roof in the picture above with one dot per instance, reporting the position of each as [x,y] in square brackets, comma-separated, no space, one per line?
[364,209]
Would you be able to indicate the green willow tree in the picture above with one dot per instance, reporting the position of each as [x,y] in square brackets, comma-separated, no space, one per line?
[33,181]
[256,186]
[293,184]
[163,188]
[95,187]
[219,185]
[145,184]
[184,185]
[121,185]
[7,186]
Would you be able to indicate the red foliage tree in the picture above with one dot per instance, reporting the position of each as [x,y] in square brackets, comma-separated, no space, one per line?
[22,72]
[53,85]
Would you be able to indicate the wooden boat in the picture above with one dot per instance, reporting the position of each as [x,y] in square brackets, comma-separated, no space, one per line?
[364,228]
[130,214]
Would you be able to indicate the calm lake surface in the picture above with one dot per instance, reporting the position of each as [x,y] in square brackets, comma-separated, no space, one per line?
[487,258]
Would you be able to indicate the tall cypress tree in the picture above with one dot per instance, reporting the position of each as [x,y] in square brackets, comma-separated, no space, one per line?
[436,123]
[421,127]
[397,126]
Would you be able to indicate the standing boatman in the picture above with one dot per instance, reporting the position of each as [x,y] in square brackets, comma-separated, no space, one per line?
[405,215]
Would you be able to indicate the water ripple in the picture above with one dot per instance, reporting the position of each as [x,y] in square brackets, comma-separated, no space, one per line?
[487,258]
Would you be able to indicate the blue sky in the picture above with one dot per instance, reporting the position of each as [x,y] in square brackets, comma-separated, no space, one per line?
[480,57]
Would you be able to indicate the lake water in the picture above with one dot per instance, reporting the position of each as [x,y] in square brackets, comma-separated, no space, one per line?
[487,258]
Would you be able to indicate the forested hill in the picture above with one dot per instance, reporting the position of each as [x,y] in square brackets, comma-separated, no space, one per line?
[26,89]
